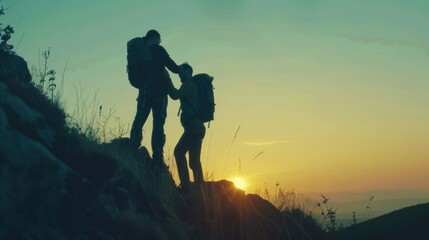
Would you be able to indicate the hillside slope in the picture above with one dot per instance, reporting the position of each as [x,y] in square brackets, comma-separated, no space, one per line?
[56,183]
[407,223]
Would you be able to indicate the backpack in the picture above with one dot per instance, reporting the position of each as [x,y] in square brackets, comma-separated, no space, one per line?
[206,103]
[138,60]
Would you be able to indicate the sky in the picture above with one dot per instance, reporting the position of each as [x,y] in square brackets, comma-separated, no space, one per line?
[318,96]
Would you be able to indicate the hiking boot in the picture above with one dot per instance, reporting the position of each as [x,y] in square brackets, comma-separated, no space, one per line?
[143,154]
[159,161]
[183,188]
[160,164]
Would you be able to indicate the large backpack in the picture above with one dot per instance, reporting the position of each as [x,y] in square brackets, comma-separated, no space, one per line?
[138,60]
[206,103]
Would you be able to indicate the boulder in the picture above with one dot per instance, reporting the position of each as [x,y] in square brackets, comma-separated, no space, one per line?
[14,68]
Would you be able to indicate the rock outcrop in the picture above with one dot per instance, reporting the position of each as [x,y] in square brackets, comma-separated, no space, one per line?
[222,211]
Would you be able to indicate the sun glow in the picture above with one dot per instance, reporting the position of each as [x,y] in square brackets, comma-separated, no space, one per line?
[239,182]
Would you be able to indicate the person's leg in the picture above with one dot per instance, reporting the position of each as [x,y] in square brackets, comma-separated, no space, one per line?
[143,110]
[159,112]
[180,156]
[195,144]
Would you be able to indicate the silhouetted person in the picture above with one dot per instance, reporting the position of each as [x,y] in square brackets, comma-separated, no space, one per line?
[194,129]
[153,96]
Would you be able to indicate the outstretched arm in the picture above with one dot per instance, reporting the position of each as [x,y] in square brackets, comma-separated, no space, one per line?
[168,62]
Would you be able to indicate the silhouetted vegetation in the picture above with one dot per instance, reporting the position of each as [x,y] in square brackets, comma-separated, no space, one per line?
[5,35]
[45,75]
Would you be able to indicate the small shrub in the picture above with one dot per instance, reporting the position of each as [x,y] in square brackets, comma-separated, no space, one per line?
[5,35]
[329,214]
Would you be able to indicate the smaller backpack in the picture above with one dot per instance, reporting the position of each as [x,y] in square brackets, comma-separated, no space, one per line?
[138,60]
[206,102]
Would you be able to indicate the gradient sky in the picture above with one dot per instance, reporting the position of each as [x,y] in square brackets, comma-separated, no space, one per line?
[333,93]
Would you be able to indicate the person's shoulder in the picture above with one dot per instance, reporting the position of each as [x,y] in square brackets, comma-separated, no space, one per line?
[136,39]
[158,47]
[192,85]
[187,84]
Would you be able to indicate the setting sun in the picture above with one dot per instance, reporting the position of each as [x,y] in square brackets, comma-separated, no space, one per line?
[239,182]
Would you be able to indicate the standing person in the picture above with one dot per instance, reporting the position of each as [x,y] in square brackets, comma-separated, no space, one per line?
[153,96]
[194,130]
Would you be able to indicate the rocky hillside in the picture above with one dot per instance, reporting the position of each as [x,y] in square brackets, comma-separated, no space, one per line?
[55,183]
[407,223]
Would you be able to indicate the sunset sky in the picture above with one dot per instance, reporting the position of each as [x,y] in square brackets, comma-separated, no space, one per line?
[327,96]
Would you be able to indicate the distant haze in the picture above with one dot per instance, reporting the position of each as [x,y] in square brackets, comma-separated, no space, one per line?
[382,202]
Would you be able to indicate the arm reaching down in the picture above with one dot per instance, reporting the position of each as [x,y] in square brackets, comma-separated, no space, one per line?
[167,61]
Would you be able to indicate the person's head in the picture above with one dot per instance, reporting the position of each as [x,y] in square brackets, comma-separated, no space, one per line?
[153,37]
[185,72]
